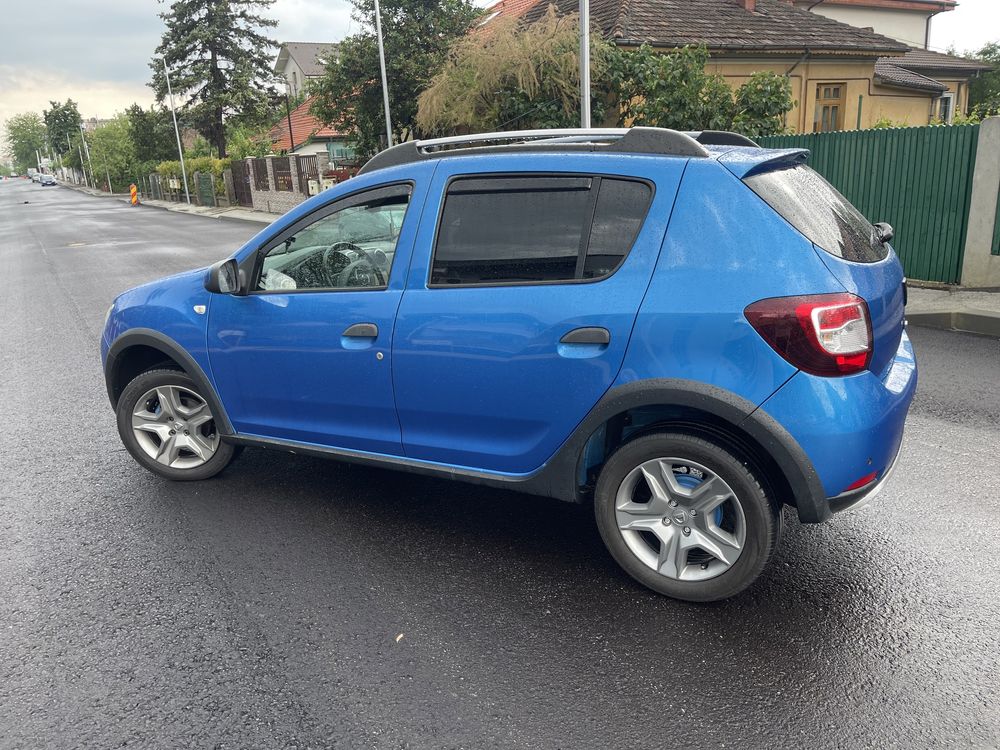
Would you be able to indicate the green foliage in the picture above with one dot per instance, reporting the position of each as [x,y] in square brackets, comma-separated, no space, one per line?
[25,134]
[672,90]
[204,164]
[220,63]
[246,140]
[112,154]
[523,77]
[152,134]
[509,76]
[62,124]
[199,148]
[984,89]
[417,34]
[761,105]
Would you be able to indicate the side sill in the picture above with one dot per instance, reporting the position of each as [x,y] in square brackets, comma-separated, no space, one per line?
[532,484]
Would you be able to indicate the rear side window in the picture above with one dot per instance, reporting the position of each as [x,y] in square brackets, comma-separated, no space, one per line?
[523,230]
[814,207]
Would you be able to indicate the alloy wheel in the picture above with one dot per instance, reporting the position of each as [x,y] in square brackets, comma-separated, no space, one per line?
[680,519]
[175,427]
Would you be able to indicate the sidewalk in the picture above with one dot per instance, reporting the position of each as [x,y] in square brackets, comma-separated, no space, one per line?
[955,309]
[236,212]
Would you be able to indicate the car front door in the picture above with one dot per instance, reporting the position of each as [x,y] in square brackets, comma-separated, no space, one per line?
[305,354]
[520,303]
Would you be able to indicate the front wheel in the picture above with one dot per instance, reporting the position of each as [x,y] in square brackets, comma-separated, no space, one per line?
[169,428]
[685,516]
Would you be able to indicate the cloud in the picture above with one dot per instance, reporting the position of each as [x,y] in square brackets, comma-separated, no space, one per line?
[26,90]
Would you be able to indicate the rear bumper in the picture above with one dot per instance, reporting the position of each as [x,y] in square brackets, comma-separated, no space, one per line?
[863,495]
[848,428]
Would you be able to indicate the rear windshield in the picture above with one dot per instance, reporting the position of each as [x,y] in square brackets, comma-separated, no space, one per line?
[814,207]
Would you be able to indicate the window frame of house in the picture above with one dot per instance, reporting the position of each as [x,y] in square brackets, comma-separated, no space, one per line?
[829,107]
[950,97]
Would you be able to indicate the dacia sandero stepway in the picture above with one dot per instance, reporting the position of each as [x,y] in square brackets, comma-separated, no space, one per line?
[684,330]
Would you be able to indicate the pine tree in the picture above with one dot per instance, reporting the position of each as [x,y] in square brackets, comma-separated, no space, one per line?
[220,62]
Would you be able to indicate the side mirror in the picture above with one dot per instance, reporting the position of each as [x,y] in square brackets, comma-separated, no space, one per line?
[223,277]
[883,232]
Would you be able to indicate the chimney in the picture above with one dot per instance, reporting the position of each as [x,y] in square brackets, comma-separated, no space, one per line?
[748,5]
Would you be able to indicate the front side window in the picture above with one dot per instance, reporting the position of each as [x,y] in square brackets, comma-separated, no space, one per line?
[509,230]
[351,248]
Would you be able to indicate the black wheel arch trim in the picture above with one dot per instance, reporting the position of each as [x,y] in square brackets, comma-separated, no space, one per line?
[169,348]
[739,413]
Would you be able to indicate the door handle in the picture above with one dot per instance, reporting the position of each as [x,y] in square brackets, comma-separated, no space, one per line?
[587,336]
[361,331]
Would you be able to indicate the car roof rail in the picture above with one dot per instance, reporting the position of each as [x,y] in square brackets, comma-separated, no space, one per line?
[638,140]
[722,138]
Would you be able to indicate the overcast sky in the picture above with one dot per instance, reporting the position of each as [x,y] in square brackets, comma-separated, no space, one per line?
[97,51]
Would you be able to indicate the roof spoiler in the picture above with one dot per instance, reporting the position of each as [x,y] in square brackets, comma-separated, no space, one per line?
[746,163]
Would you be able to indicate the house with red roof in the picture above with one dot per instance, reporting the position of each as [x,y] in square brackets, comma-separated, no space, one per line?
[308,135]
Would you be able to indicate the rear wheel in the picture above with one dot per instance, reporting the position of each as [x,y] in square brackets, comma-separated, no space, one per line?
[168,427]
[685,517]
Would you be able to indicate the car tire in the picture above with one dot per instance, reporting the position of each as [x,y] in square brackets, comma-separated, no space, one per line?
[178,439]
[643,503]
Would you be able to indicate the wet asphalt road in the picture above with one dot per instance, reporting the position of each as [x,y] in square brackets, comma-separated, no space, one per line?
[262,608]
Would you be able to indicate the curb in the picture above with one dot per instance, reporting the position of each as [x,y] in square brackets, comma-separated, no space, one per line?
[984,324]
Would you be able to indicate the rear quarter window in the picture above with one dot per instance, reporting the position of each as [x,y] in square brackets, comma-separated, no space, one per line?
[814,207]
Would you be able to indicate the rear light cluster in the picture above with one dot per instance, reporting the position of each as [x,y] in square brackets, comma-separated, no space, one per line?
[822,334]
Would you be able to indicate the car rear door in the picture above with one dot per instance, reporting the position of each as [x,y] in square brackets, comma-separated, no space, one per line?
[520,301]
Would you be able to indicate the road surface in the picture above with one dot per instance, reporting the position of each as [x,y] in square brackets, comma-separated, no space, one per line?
[293,602]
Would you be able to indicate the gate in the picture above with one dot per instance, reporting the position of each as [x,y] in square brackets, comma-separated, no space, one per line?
[919,180]
[241,183]
[307,171]
[206,189]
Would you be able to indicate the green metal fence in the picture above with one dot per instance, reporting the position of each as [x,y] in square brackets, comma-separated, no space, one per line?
[917,179]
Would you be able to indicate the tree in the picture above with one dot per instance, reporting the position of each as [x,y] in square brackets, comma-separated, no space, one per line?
[672,90]
[62,123]
[26,137]
[517,76]
[984,89]
[417,35]
[113,154]
[152,134]
[219,62]
[509,76]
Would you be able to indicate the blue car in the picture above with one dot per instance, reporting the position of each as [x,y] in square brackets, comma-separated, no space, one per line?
[684,330]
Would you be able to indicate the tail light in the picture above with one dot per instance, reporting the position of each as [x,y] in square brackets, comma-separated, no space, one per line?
[823,334]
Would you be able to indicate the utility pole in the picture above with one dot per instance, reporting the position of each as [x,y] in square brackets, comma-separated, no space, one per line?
[385,83]
[584,63]
[86,150]
[288,114]
[177,131]
[69,145]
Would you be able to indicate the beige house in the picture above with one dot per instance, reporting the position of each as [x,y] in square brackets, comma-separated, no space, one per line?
[843,76]
[298,62]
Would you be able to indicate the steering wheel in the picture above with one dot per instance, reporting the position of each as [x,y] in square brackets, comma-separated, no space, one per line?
[361,268]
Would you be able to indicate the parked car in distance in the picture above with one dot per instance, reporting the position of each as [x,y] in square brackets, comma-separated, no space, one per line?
[46,179]
[685,331]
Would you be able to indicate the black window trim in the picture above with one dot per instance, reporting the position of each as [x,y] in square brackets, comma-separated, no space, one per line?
[596,178]
[356,198]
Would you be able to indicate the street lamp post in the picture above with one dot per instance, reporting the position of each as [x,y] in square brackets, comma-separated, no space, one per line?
[385,83]
[86,150]
[69,145]
[584,63]
[177,131]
